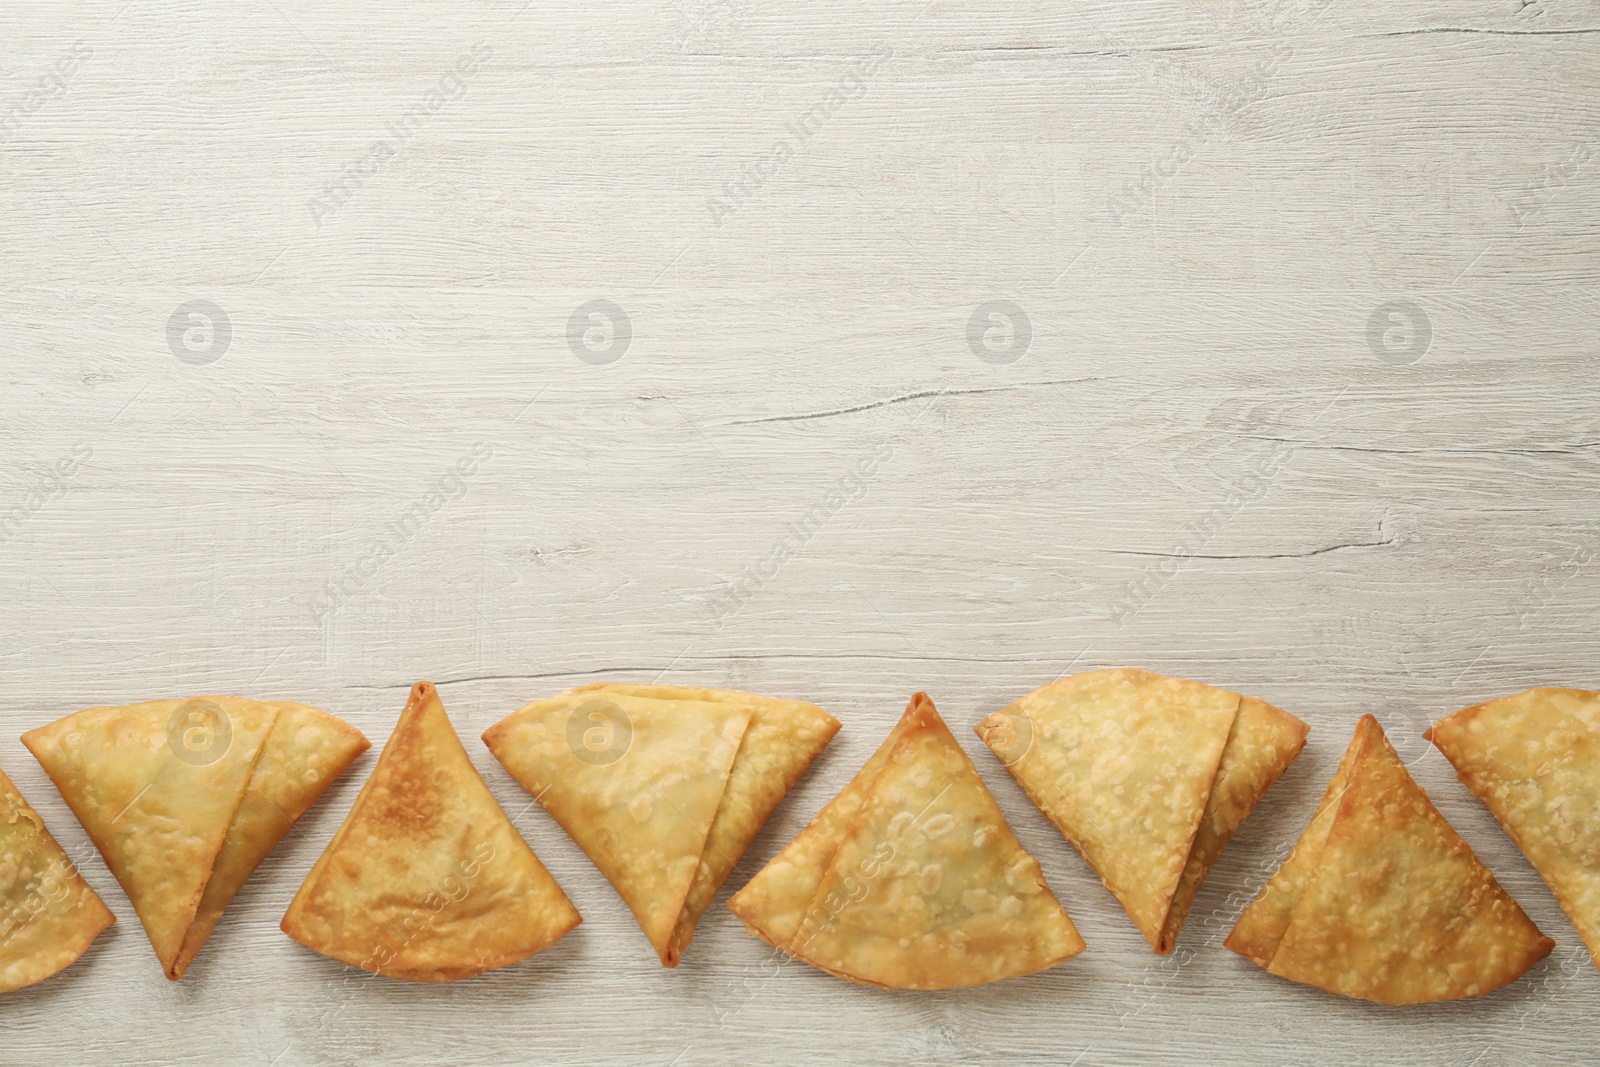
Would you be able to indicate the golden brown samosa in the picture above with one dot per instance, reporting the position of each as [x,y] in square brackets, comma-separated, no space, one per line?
[783,738]
[1534,759]
[1382,900]
[185,798]
[427,879]
[663,786]
[911,878]
[48,914]
[1148,777]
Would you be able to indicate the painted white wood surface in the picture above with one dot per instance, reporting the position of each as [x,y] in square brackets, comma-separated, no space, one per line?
[1207,461]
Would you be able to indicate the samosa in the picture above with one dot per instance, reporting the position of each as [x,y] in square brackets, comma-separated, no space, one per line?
[185,798]
[1534,759]
[911,878]
[664,787]
[1382,900]
[48,914]
[1148,777]
[427,880]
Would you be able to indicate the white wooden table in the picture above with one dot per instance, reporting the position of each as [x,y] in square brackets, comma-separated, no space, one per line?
[1291,390]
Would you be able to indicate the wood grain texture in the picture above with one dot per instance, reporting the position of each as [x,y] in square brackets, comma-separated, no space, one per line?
[1220,456]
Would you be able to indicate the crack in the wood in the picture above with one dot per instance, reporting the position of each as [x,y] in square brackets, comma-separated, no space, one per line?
[1383,543]
[1324,550]
[905,399]
[656,669]
[1054,49]
[1058,50]
[1478,29]
[485,678]
[1571,450]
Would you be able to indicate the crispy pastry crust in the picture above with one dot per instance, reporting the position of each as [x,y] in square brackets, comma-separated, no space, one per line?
[911,878]
[183,836]
[48,914]
[1148,777]
[783,738]
[427,879]
[1391,906]
[1534,760]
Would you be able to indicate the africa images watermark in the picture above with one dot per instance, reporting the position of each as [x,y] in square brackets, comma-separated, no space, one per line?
[905,831]
[451,85]
[599,332]
[1208,929]
[850,487]
[199,332]
[854,887]
[52,486]
[451,487]
[599,732]
[1228,99]
[999,332]
[1156,573]
[453,888]
[54,885]
[49,85]
[1221,99]
[755,174]
[1399,332]
[199,732]
[1539,592]
[1539,192]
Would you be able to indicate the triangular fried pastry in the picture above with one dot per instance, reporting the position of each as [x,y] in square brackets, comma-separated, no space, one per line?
[48,914]
[427,879]
[1147,776]
[184,798]
[1534,759]
[783,737]
[1393,906]
[636,781]
[924,886]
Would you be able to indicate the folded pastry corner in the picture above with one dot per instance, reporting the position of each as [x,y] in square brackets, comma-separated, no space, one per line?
[48,914]
[911,878]
[185,798]
[1533,758]
[1382,900]
[664,787]
[426,879]
[1149,777]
